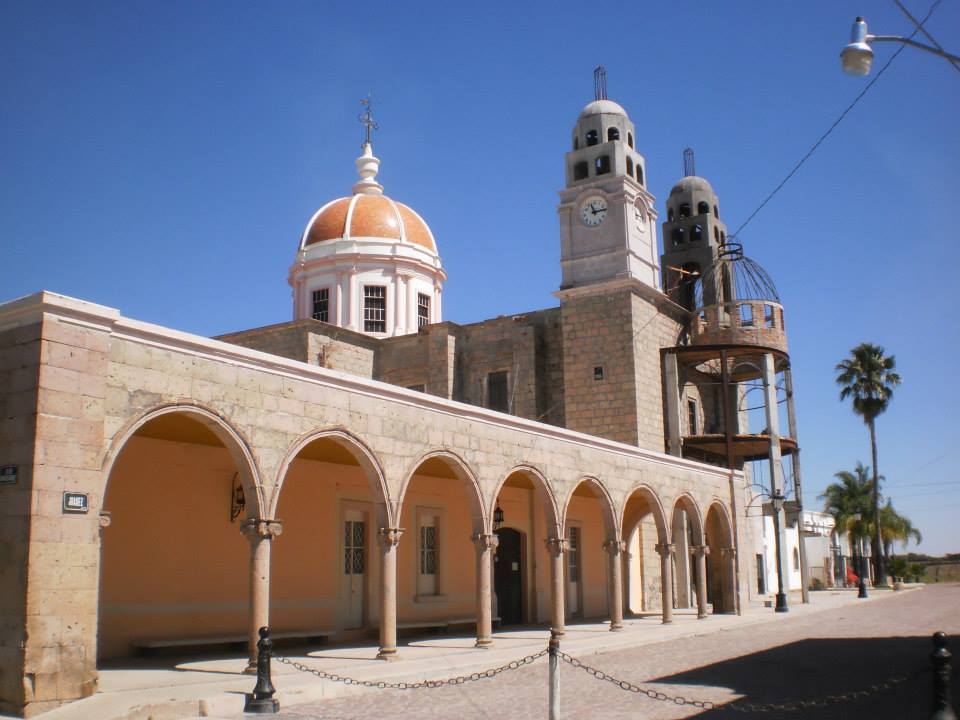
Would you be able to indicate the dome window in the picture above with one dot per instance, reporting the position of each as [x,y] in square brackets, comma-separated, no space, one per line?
[696,233]
[591,137]
[716,212]
[613,134]
[703,208]
[716,233]
[639,174]
[678,236]
[630,140]
[581,170]
[669,214]
[602,164]
[723,237]
[629,167]
[684,210]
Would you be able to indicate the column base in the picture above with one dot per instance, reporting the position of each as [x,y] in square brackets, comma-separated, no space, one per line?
[251,668]
[614,627]
[483,643]
[666,622]
[261,706]
[388,654]
[558,633]
[702,616]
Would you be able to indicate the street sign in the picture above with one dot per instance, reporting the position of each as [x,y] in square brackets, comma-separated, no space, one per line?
[75,502]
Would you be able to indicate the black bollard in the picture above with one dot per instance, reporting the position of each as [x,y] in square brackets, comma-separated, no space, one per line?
[261,700]
[942,707]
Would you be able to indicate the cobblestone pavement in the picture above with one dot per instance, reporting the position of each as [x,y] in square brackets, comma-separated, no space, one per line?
[797,658]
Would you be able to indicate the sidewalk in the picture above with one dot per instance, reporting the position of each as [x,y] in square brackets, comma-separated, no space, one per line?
[165,689]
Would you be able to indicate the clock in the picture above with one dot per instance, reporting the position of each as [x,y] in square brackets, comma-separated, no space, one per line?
[593,211]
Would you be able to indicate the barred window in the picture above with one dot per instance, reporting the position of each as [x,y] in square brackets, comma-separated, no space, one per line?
[353,547]
[321,304]
[573,554]
[374,308]
[423,310]
[428,549]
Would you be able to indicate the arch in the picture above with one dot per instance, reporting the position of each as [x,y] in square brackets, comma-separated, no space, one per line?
[639,173]
[686,502]
[716,212]
[602,164]
[721,575]
[703,208]
[696,233]
[684,211]
[726,524]
[630,139]
[581,170]
[678,236]
[231,438]
[629,166]
[613,134]
[592,138]
[610,520]
[352,444]
[462,472]
[542,488]
[716,233]
[669,214]
[649,495]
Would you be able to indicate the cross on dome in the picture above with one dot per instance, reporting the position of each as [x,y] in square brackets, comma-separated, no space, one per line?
[366,119]
[368,165]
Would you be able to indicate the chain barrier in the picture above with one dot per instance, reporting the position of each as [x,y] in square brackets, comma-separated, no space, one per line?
[737,705]
[383,685]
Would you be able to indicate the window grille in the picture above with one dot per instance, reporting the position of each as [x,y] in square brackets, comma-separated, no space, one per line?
[573,554]
[321,305]
[428,550]
[423,310]
[692,416]
[375,308]
[353,547]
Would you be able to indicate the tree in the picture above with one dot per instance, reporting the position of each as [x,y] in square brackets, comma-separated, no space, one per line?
[895,527]
[868,377]
[848,501]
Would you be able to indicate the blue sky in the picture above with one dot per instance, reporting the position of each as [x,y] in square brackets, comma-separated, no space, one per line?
[163,158]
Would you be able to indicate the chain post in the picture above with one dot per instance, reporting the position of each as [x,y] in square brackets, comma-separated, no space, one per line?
[941,658]
[261,700]
[553,650]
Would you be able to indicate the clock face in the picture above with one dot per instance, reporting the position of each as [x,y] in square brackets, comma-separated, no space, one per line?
[593,211]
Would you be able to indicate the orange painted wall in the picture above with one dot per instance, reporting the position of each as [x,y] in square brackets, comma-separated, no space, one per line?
[587,513]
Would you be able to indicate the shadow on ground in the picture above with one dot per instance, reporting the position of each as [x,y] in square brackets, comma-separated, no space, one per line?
[816,668]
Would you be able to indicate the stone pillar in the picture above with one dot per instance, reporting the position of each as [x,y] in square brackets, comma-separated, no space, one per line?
[389,539]
[399,312]
[614,548]
[486,546]
[352,300]
[556,546]
[700,553]
[665,550]
[729,564]
[260,532]
[672,390]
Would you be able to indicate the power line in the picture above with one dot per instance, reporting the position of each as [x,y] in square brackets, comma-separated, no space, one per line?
[836,122]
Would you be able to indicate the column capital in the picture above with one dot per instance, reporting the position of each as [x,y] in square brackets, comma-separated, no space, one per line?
[261,528]
[486,541]
[665,549]
[614,547]
[557,545]
[728,552]
[390,536]
[699,550]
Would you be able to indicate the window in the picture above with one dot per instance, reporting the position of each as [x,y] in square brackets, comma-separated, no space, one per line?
[629,167]
[581,170]
[746,315]
[353,547]
[602,164]
[374,308]
[677,236]
[768,316]
[639,174]
[630,139]
[716,233]
[723,237]
[669,214]
[573,555]
[703,208]
[684,210]
[716,212]
[692,424]
[321,305]
[497,391]
[696,233]
[428,552]
[591,137]
[598,372]
[613,134]
[417,388]
[423,310]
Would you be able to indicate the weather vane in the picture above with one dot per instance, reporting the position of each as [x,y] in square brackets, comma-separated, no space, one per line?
[366,119]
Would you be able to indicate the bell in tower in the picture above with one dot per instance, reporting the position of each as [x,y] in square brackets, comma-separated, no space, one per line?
[607,217]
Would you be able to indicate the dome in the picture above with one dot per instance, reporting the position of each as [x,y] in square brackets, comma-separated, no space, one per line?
[368,216]
[598,107]
[735,277]
[692,183]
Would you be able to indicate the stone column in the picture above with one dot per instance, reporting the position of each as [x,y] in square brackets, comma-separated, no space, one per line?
[352,301]
[389,539]
[556,547]
[700,553]
[260,532]
[672,390]
[399,311]
[729,557]
[614,548]
[665,550]
[486,546]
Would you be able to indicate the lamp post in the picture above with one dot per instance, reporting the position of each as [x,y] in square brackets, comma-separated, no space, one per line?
[857,56]
[776,500]
[861,583]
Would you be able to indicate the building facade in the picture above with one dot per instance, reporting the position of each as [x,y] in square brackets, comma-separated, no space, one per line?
[370,468]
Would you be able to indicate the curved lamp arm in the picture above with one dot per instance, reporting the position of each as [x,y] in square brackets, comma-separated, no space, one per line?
[857,56]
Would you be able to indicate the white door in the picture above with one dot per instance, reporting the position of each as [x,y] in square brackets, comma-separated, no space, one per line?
[354,567]
[573,572]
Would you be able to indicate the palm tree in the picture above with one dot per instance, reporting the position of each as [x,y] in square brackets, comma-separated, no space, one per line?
[895,527]
[868,377]
[848,501]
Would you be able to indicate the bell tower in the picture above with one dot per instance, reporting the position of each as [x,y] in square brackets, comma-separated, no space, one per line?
[608,224]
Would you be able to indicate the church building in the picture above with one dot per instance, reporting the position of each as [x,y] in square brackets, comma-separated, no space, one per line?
[372,469]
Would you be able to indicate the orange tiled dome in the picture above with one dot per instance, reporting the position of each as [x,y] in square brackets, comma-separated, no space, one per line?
[368,216]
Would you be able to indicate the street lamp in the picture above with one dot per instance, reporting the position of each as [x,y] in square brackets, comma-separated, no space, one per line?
[776,499]
[497,518]
[861,583]
[857,56]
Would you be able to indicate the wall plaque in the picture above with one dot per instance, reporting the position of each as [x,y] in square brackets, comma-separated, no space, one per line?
[75,502]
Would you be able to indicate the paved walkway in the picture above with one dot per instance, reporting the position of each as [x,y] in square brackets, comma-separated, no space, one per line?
[164,689]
